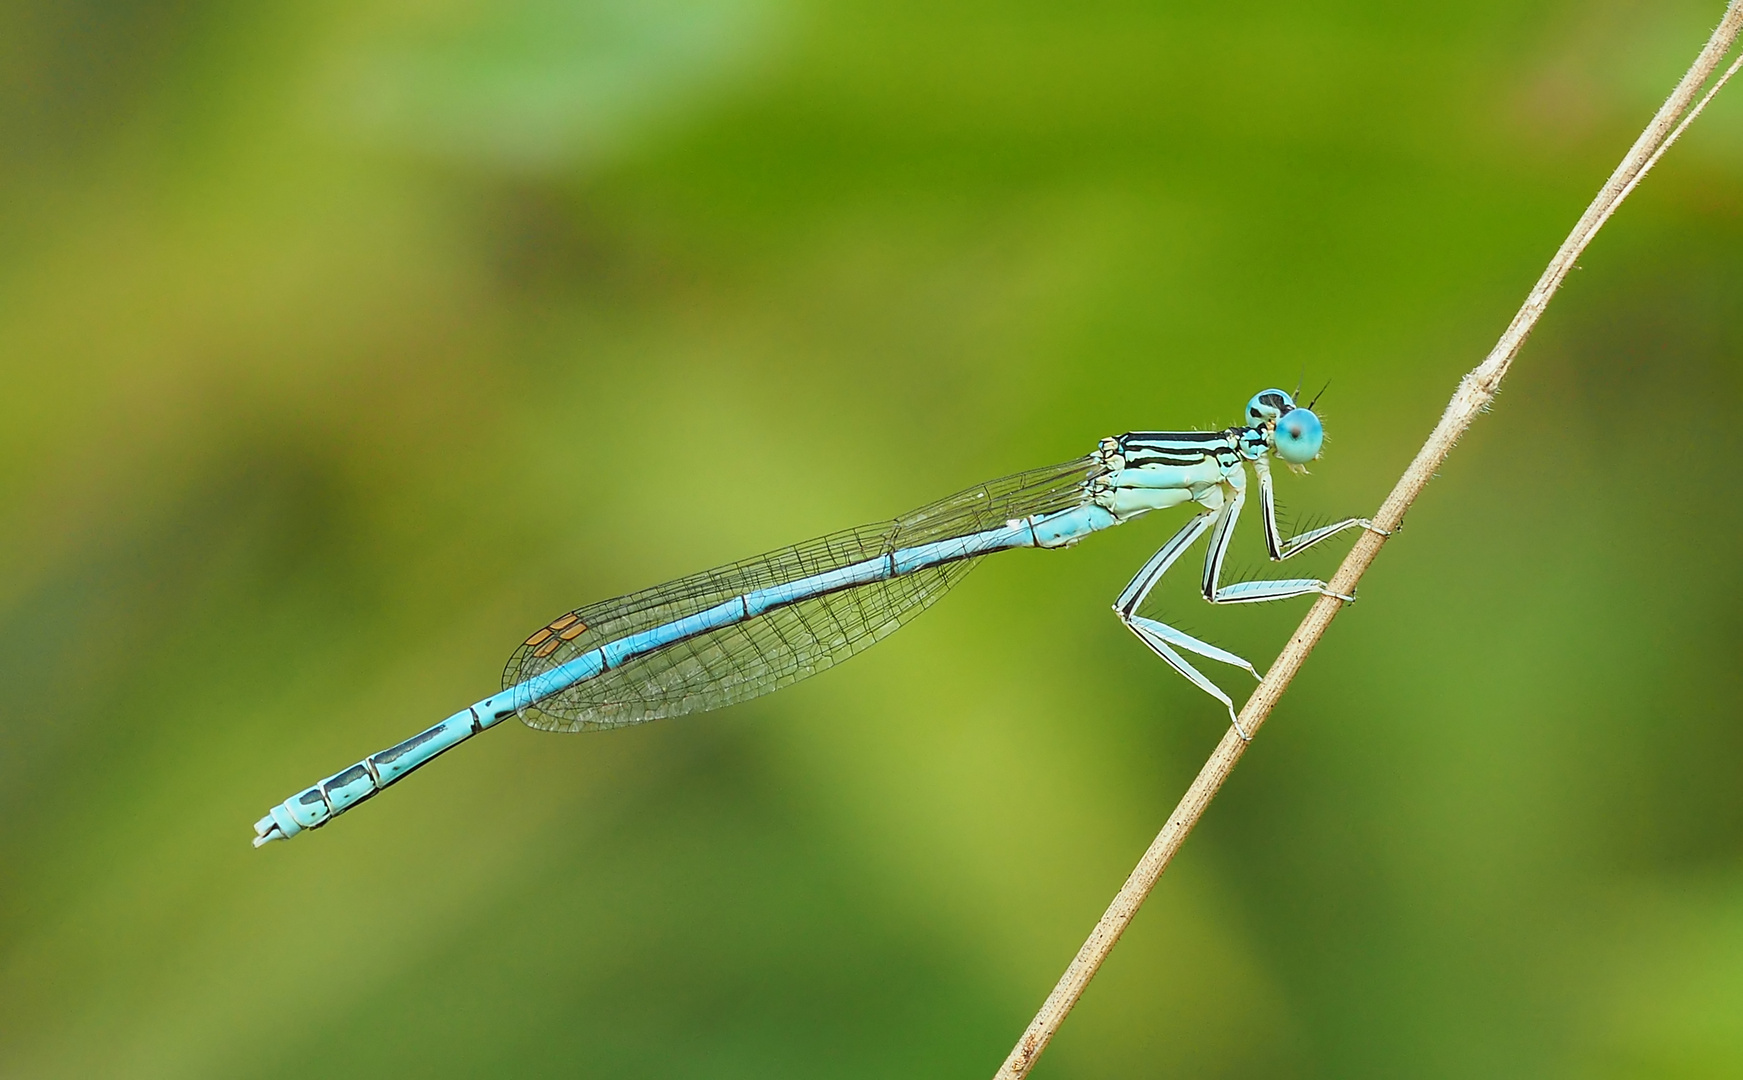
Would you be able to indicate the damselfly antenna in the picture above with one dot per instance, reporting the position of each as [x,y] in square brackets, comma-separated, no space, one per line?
[1316,397]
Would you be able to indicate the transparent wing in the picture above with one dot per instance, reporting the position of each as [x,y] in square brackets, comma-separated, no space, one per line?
[782,646]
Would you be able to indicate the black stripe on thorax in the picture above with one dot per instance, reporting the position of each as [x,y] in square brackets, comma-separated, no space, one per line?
[1134,461]
[1192,438]
[1177,447]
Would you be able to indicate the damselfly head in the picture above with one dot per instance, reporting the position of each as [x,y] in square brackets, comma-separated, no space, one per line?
[1295,433]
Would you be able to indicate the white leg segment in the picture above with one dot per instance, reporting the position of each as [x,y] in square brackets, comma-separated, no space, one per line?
[1182,640]
[1160,647]
[1145,580]
[1252,592]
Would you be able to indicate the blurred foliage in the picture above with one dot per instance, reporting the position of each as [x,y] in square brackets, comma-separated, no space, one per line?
[343,344]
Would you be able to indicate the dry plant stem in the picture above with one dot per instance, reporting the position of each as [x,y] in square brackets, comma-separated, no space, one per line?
[1474,394]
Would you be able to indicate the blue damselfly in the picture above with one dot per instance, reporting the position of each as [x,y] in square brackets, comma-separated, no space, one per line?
[750,627]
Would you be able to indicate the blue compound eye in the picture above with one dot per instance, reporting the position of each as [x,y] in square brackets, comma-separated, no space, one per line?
[1299,437]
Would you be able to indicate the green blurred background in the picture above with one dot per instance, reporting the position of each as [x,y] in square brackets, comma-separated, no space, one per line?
[341,345]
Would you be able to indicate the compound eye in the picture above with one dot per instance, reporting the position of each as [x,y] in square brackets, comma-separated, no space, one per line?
[1268,405]
[1299,436]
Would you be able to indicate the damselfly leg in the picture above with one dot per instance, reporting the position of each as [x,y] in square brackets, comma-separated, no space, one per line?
[1166,641]
[1162,639]
[1280,549]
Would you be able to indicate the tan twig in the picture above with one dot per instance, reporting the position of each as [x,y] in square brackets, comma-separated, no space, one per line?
[1474,394]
